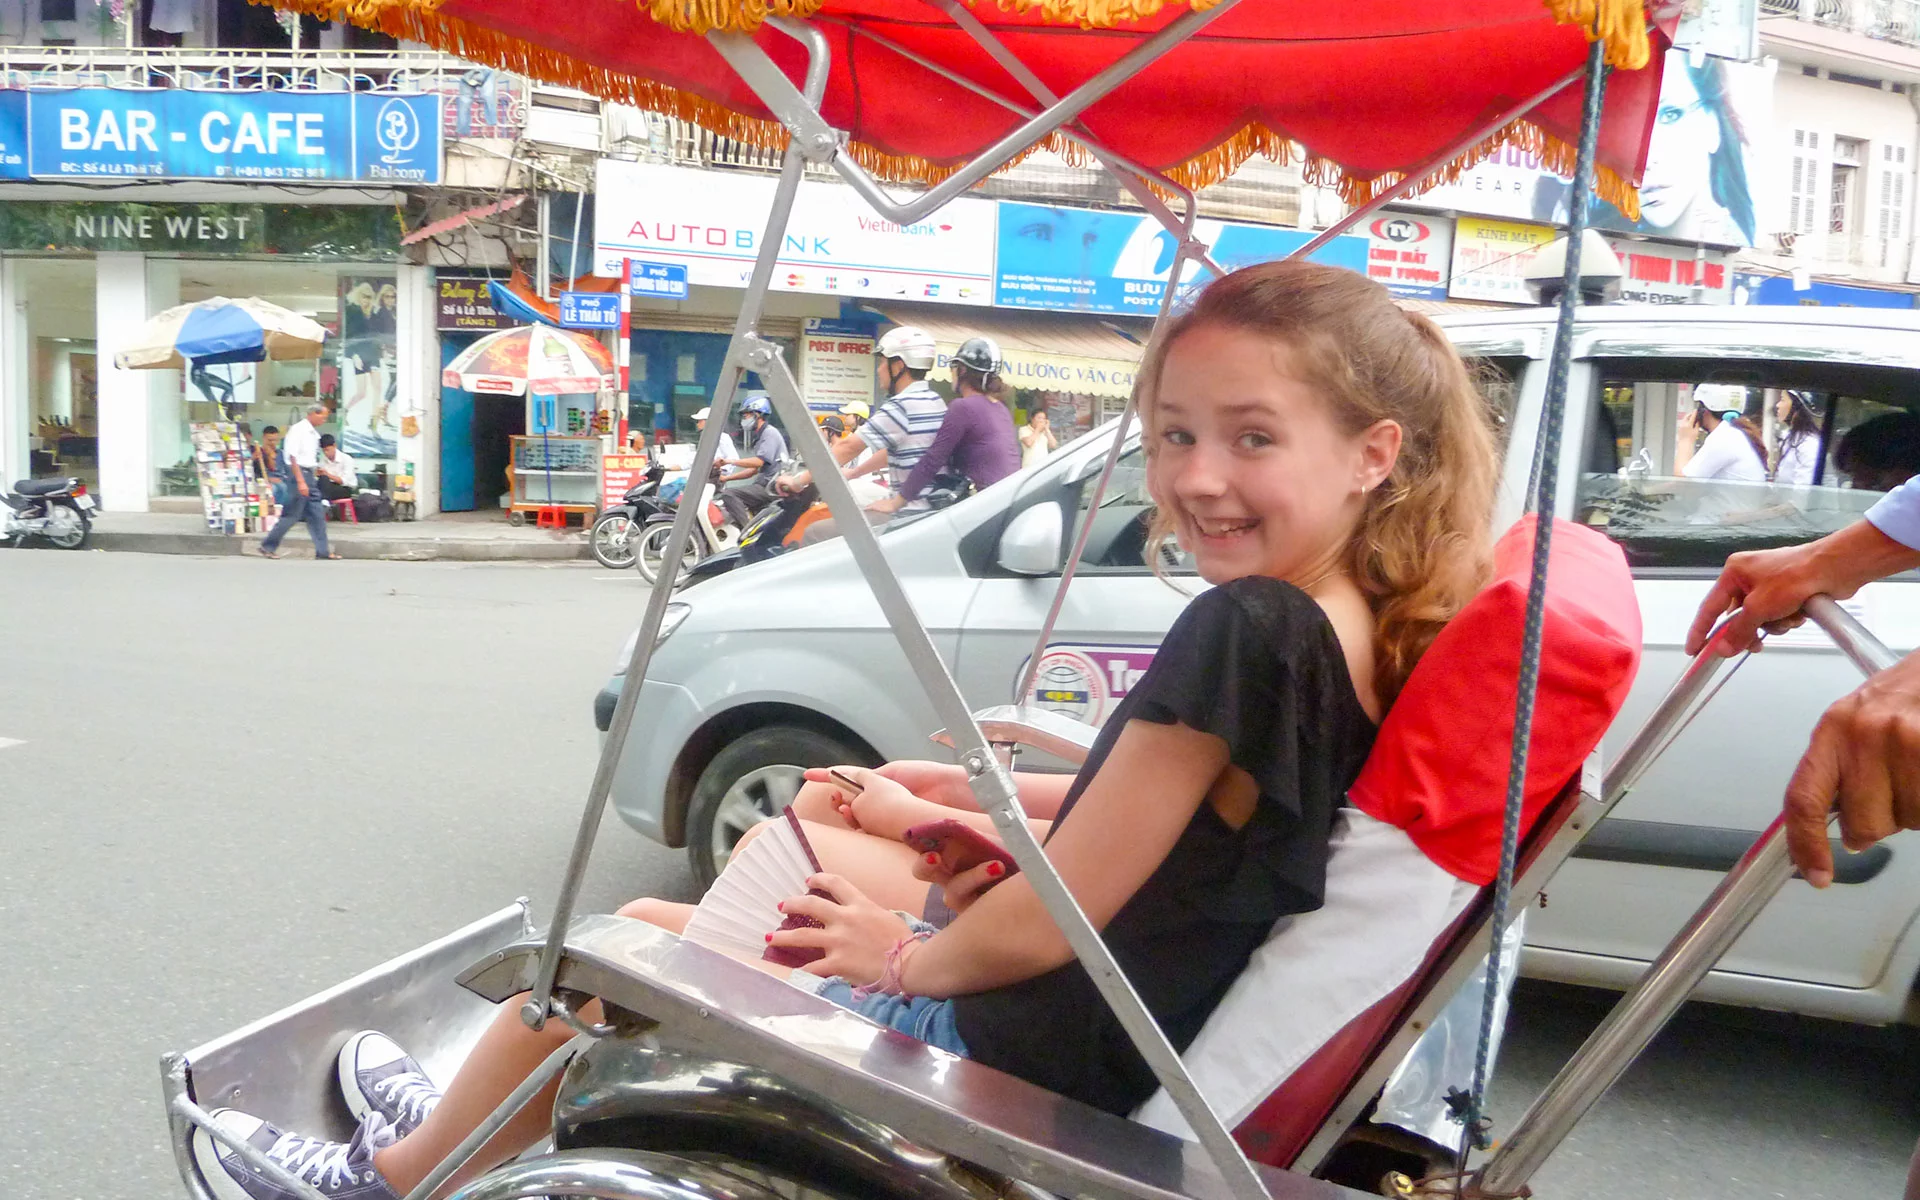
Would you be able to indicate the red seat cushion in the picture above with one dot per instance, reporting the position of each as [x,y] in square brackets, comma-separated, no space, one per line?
[1439,768]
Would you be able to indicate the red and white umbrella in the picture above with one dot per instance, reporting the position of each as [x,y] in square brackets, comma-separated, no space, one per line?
[531,359]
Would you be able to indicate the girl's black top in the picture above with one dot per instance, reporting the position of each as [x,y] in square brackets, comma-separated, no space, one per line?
[1255,663]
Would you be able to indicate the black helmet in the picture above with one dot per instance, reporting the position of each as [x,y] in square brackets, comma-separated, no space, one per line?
[981,354]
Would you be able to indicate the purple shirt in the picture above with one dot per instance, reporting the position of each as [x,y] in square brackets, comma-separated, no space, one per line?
[976,439]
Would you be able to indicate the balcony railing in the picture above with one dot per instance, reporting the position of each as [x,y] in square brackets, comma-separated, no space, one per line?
[1884,20]
[226,70]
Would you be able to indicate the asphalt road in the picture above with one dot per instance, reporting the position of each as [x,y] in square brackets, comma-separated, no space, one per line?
[228,783]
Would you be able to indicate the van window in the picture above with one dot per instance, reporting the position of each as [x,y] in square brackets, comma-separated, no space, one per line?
[1683,467]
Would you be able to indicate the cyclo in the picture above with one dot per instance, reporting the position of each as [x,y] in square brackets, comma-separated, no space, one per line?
[709,1079]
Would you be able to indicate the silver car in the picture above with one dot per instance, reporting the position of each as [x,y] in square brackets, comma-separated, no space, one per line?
[790,662]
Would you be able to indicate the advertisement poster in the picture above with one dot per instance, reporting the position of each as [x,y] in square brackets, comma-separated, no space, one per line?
[835,367]
[1656,274]
[1082,260]
[1410,254]
[710,223]
[340,137]
[1490,258]
[369,420]
[1703,166]
[619,474]
[463,306]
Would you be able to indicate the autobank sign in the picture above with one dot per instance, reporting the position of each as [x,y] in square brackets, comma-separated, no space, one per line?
[1081,260]
[711,223]
[102,134]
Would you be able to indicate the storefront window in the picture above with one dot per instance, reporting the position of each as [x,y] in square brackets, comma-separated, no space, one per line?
[62,410]
[355,376]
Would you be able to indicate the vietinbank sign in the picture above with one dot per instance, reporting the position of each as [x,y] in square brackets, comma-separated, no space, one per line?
[110,134]
[711,223]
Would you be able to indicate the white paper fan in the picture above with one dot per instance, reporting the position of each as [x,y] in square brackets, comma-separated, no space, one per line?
[742,906]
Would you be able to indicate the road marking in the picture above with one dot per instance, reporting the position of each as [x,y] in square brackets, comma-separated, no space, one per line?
[7,741]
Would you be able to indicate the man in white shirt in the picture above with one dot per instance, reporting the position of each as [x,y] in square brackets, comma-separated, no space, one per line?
[302,450]
[727,449]
[339,477]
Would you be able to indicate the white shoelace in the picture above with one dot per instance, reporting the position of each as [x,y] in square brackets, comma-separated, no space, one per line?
[410,1094]
[313,1160]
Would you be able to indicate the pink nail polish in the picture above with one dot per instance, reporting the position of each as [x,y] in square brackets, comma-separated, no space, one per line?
[933,860]
[769,937]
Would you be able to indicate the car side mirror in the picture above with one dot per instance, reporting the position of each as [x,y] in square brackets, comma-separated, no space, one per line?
[1031,543]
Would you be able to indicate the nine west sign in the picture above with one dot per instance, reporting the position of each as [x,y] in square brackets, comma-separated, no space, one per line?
[172,227]
[339,233]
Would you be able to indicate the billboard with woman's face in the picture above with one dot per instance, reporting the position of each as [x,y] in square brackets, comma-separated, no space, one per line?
[1703,161]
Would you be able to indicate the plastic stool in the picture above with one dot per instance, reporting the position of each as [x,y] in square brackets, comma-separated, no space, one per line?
[347,513]
[552,516]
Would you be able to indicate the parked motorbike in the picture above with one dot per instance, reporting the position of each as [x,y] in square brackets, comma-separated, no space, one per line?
[57,511]
[712,534]
[612,536]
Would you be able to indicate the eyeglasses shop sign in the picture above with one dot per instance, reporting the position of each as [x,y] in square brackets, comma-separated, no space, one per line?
[103,134]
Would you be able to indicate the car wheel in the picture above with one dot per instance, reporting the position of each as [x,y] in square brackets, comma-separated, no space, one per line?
[753,777]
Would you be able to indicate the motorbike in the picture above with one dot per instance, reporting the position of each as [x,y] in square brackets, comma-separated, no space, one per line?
[611,538]
[713,533]
[57,511]
[779,527]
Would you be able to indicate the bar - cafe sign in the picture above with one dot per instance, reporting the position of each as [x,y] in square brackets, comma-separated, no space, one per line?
[337,232]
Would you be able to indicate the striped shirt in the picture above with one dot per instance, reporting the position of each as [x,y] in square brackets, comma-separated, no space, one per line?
[904,426]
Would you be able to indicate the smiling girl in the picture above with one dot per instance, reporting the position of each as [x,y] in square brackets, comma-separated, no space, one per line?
[1327,461]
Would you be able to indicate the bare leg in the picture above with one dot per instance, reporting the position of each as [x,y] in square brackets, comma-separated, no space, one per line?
[506,1054]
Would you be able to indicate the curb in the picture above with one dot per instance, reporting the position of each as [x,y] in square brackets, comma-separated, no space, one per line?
[383,549]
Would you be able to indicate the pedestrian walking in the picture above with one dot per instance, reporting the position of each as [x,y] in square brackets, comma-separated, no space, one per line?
[302,452]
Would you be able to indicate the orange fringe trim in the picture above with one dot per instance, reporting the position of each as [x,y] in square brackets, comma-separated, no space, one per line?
[418,20]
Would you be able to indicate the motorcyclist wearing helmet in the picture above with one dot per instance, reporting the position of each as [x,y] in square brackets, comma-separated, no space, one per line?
[976,439]
[900,429]
[766,445]
[747,485]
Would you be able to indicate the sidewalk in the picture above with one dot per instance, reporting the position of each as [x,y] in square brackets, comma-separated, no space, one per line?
[449,537]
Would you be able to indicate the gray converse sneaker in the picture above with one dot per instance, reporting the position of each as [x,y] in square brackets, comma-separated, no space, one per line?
[377,1076]
[338,1170]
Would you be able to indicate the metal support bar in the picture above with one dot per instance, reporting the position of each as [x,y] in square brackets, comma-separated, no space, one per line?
[992,783]
[536,1009]
[802,117]
[1645,1010]
[251,1155]
[1072,566]
[1131,177]
[1418,175]
[516,1100]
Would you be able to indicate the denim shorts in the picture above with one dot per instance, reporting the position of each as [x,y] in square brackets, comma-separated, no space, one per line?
[928,1020]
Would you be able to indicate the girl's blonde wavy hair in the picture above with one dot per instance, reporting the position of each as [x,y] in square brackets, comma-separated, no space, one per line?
[1422,547]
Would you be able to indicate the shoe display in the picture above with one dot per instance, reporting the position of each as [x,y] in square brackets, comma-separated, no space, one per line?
[337,1170]
[377,1076]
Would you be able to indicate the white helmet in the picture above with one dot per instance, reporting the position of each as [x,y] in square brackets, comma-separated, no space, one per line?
[910,344]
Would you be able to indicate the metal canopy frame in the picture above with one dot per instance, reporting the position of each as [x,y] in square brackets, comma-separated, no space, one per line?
[1639,1015]
[813,140]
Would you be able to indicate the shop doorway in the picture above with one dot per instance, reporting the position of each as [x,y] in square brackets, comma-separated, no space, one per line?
[476,435]
[674,375]
[63,369]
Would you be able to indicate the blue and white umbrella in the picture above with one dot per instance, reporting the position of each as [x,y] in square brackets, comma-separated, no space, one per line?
[220,330]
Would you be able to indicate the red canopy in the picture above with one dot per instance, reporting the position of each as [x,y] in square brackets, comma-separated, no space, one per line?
[1371,88]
